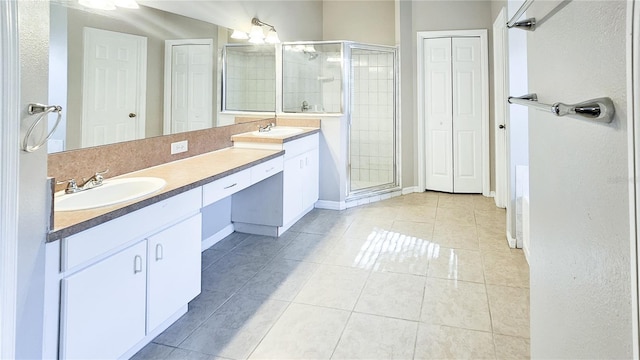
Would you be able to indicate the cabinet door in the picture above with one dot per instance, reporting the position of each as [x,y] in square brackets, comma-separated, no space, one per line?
[174,270]
[311,179]
[103,307]
[293,185]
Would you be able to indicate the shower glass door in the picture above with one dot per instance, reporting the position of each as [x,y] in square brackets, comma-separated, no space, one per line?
[372,140]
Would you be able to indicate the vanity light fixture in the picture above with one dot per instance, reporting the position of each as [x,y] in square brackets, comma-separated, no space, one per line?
[109,4]
[272,37]
[256,36]
[239,35]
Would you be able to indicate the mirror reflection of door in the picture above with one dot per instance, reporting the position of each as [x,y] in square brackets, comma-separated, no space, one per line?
[113,87]
[188,85]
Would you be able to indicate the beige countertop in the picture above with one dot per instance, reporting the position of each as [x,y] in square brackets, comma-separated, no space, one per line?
[181,176]
[257,138]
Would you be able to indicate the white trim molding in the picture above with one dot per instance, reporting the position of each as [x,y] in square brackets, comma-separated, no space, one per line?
[9,173]
[482,34]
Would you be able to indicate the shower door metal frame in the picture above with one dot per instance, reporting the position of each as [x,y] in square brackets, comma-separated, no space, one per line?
[395,184]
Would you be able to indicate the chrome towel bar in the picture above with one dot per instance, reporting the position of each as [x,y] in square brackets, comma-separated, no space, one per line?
[527,24]
[600,109]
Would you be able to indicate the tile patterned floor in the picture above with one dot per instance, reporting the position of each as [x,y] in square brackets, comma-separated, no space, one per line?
[420,276]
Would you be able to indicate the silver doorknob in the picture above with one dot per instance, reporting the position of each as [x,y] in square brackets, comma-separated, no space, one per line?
[501,126]
[132,115]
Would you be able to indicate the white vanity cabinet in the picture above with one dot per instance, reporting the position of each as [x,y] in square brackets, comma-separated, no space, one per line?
[173,260]
[146,272]
[300,180]
[271,206]
[103,306]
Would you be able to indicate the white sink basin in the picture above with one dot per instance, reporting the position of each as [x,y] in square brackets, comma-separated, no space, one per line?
[279,131]
[111,192]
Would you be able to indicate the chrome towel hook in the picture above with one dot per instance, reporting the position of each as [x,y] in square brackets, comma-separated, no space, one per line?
[43,111]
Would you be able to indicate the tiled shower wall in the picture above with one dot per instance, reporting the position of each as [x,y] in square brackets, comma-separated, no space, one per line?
[251,81]
[312,77]
[372,129]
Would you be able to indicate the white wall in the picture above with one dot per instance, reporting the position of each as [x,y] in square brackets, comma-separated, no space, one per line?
[370,22]
[580,266]
[33,22]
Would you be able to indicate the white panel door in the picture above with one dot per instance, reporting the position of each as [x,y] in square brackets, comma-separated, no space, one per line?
[103,307]
[438,114]
[114,87]
[174,270]
[467,115]
[192,88]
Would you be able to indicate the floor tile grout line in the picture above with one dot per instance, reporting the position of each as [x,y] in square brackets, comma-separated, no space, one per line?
[424,290]
[364,284]
[277,256]
[237,292]
[270,328]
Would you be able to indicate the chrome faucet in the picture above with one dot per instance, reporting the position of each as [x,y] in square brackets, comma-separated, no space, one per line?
[305,106]
[266,127]
[94,181]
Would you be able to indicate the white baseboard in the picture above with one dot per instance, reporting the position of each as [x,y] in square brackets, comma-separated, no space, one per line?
[410,189]
[512,241]
[492,194]
[255,229]
[213,239]
[331,205]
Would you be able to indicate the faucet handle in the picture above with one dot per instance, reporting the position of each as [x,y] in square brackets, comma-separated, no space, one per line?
[97,177]
[72,185]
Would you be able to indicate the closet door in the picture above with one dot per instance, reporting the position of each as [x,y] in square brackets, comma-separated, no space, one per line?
[191,104]
[438,114]
[467,115]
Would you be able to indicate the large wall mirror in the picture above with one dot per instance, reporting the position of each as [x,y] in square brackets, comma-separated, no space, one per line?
[250,77]
[137,73]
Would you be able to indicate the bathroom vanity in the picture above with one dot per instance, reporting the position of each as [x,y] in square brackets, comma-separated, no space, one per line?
[117,276]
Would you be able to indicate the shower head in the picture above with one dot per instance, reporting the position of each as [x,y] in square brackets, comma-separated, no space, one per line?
[312,55]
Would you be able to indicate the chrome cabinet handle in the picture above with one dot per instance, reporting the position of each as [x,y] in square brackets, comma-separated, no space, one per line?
[137,264]
[230,186]
[270,169]
[159,252]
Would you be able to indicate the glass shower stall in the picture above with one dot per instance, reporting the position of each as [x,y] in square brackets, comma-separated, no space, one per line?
[359,82]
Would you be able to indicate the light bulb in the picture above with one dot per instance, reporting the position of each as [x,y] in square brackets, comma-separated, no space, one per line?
[129,4]
[98,4]
[256,36]
[272,37]
[239,35]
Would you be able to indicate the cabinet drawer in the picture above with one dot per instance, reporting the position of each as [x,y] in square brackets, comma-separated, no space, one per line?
[299,146]
[266,169]
[101,239]
[226,186]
